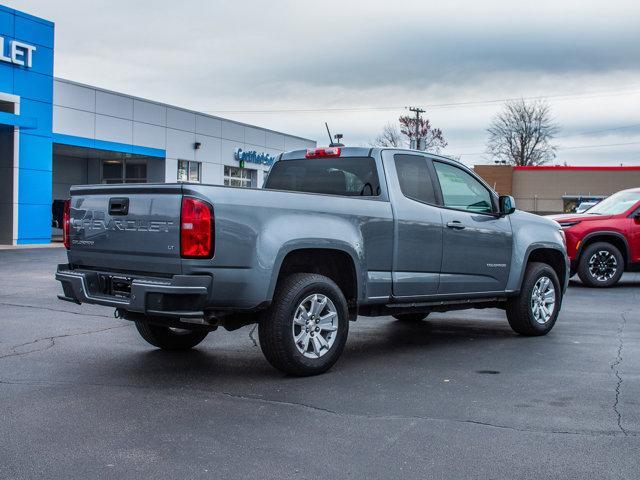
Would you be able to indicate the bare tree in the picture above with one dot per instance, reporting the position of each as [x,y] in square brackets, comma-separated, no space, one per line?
[390,137]
[521,134]
[432,138]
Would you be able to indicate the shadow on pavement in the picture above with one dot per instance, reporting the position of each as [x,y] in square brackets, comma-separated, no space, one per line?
[373,344]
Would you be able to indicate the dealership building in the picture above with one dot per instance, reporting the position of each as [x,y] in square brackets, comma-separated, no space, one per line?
[55,133]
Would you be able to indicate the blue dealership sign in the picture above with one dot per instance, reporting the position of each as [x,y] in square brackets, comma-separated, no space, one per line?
[251,156]
[26,80]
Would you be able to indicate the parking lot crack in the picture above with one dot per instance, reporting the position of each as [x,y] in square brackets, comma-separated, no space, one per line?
[615,367]
[57,310]
[326,411]
[45,343]
[418,417]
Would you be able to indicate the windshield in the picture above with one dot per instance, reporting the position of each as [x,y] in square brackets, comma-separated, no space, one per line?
[615,204]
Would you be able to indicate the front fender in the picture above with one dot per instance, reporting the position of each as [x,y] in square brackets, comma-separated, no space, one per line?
[515,281]
[532,232]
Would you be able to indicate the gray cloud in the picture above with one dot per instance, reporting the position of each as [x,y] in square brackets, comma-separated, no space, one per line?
[249,54]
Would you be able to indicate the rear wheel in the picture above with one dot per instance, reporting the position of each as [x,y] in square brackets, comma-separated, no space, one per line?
[535,309]
[304,331]
[601,265]
[411,317]
[169,338]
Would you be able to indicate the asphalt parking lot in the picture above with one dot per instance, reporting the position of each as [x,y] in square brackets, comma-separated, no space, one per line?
[458,396]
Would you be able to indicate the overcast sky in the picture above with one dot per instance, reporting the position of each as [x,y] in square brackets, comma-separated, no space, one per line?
[292,65]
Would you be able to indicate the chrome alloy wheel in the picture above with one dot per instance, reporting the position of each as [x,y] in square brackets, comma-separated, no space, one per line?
[543,300]
[315,325]
[603,265]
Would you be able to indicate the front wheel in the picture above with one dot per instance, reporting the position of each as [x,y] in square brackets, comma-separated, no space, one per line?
[535,309]
[168,338]
[601,265]
[305,330]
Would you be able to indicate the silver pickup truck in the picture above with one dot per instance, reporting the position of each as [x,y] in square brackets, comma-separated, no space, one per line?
[335,233]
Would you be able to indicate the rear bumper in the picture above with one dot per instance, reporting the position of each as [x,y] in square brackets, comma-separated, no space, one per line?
[180,296]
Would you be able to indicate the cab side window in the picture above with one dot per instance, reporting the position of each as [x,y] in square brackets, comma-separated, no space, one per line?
[415,180]
[461,190]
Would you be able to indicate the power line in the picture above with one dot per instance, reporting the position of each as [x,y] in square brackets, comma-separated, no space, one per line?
[568,135]
[570,148]
[598,146]
[598,131]
[585,95]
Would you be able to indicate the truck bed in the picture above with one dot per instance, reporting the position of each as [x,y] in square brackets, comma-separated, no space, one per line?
[253,231]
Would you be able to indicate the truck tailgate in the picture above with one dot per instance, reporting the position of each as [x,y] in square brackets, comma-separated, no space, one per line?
[126,227]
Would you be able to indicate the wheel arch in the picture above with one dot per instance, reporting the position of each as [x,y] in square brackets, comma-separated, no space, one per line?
[337,262]
[616,239]
[553,256]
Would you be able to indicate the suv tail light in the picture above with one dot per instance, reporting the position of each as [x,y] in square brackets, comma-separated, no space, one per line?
[66,224]
[196,229]
[323,152]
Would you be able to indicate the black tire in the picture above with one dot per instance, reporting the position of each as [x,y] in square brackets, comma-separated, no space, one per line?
[276,328]
[610,254]
[519,308]
[411,317]
[169,339]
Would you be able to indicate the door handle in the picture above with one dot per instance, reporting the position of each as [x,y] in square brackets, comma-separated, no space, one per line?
[456,225]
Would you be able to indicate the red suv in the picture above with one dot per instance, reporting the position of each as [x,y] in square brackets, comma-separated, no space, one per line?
[604,241]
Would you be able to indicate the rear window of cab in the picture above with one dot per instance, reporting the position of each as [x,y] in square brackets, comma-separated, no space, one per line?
[350,177]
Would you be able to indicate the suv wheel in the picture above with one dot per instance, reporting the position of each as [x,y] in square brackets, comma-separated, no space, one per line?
[306,328]
[535,309]
[169,338]
[601,265]
[411,317]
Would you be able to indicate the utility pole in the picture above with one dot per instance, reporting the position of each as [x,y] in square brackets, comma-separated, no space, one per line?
[417,111]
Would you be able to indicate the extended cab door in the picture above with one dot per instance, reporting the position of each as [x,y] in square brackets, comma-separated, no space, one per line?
[477,243]
[418,225]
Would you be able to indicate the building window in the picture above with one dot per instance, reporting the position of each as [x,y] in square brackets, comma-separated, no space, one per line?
[130,170]
[239,177]
[189,171]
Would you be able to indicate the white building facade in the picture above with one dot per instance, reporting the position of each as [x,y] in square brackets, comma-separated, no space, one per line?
[101,136]
[56,133]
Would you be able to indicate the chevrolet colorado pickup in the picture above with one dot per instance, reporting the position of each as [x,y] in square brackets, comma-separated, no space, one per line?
[335,233]
[604,241]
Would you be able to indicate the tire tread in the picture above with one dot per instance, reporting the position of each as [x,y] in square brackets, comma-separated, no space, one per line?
[518,307]
[583,265]
[274,324]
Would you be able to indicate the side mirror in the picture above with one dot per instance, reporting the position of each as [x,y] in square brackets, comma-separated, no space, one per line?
[507,204]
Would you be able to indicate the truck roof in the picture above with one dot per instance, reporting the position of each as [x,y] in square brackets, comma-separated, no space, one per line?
[346,152]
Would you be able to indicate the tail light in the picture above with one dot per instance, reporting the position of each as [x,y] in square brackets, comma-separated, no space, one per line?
[66,224]
[196,229]
[323,152]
